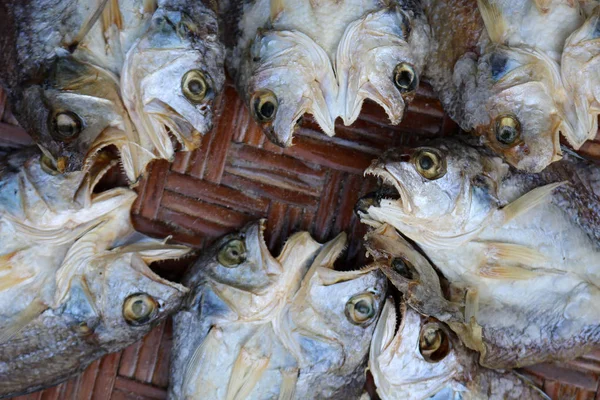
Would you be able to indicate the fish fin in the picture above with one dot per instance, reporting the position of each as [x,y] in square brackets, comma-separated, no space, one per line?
[277,7]
[511,272]
[528,201]
[245,374]
[56,236]
[88,25]
[288,383]
[9,277]
[513,253]
[205,352]
[493,20]
[154,251]
[31,312]
[471,304]
[112,16]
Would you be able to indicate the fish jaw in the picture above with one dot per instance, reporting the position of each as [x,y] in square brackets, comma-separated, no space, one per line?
[367,56]
[398,368]
[402,206]
[298,72]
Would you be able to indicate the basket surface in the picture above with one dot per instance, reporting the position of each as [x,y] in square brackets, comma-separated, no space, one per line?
[237,176]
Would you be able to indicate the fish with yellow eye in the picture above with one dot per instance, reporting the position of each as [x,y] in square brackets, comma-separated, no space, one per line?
[290,58]
[519,251]
[413,357]
[83,76]
[74,277]
[496,66]
[290,327]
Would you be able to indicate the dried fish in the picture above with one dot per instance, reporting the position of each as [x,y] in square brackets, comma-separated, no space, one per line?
[289,327]
[140,75]
[517,248]
[324,58]
[74,277]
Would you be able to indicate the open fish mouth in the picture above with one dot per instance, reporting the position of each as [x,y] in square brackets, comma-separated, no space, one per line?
[389,190]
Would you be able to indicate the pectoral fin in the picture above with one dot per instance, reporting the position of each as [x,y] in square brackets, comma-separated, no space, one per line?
[246,373]
[288,383]
[529,201]
[203,355]
[512,253]
[31,312]
[512,272]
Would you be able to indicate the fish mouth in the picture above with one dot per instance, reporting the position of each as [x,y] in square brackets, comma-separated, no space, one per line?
[390,190]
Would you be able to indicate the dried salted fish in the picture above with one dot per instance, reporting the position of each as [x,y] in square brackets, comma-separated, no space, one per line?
[521,251]
[422,359]
[140,75]
[74,277]
[501,76]
[323,58]
[289,327]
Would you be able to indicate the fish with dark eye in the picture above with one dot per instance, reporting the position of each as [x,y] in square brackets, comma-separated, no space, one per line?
[519,251]
[496,67]
[139,75]
[74,277]
[290,58]
[290,327]
[413,357]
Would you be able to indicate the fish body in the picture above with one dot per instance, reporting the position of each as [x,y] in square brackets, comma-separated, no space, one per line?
[87,75]
[75,283]
[500,74]
[423,359]
[291,58]
[260,327]
[517,247]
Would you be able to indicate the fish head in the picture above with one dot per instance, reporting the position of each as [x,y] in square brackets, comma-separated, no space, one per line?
[68,112]
[380,58]
[127,295]
[239,269]
[170,81]
[285,75]
[522,119]
[412,356]
[446,188]
[333,316]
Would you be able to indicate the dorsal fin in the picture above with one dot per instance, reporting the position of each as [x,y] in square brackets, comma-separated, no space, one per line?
[495,24]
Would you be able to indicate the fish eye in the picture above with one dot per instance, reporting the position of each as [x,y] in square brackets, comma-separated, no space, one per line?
[194,86]
[66,125]
[139,309]
[232,253]
[405,78]
[264,106]
[360,309]
[434,344]
[429,164]
[402,267]
[508,129]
